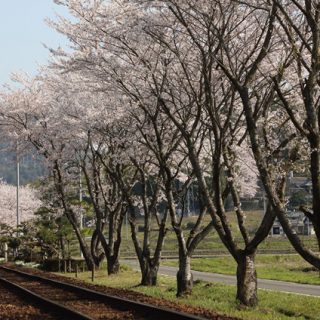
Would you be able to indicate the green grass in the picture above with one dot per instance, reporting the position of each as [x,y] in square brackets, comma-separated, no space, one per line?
[218,297]
[290,268]
[212,241]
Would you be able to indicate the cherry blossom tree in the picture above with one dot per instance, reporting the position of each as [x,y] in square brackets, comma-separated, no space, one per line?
[28,204]
[297,88]
[141,187]
[36,114]
[98,160]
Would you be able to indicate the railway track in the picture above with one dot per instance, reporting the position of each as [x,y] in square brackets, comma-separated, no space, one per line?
[13,307]
[69,301]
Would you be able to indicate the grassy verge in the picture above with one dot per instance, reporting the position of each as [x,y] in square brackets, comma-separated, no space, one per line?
[221,298]
[290,268]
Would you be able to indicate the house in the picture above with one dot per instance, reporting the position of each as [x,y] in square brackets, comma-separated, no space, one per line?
[276,229]
[308,227]
[299,223]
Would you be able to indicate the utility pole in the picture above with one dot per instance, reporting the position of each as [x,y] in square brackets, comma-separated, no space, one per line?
[17,193]
[80,198]
[80,208]
[5,252]
[18,186]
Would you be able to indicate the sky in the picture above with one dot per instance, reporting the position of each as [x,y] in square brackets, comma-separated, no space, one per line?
[22,34]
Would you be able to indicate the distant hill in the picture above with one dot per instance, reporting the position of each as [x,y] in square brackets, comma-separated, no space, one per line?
[31,168]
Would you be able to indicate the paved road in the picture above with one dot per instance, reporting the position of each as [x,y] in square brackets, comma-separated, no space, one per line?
[283,286]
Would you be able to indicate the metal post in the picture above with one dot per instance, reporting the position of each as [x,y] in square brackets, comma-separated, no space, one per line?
[5,252]
[59,262]
[127,224]
[92,273]
[188,202]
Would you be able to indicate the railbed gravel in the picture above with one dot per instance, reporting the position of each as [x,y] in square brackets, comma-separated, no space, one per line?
[13,307]
[131,295]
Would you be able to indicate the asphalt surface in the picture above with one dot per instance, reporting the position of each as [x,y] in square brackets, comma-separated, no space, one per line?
[282,286]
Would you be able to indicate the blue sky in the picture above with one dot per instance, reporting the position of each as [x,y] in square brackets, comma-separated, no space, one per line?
[22,34]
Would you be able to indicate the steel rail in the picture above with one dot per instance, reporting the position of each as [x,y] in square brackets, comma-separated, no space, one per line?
[149,310]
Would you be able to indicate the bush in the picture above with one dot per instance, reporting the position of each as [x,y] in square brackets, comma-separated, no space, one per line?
[190,225]
[299,198]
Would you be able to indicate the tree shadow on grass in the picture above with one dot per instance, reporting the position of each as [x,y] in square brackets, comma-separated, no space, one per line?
[290,313]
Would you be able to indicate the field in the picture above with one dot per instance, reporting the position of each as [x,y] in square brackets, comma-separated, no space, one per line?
[212,245]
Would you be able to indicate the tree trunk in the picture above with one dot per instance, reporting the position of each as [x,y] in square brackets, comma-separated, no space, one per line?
[184,276]
[81,239]
[97,254]
[87,257]
[150,273]
[71,216]
[111,251]
[113,265]
[62,246]
[247,280]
